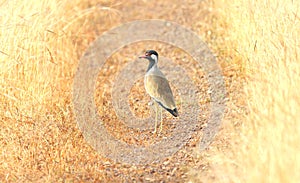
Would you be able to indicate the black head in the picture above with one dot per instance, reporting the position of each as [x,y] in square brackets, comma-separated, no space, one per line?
[149,53]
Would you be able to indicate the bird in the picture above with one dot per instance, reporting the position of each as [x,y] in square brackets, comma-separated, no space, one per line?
[158,87]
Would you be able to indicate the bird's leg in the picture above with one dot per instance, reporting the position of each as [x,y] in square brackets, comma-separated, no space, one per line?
[155,127]
[161,121]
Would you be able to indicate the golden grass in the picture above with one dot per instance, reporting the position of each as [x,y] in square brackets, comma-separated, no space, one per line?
[42,41]
[266,39]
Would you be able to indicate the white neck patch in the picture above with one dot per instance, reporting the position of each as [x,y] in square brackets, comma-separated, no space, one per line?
[154,57]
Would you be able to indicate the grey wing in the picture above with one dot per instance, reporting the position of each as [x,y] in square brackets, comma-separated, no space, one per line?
[158,88]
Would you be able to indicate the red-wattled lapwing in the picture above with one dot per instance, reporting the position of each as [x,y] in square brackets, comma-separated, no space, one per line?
[157,86]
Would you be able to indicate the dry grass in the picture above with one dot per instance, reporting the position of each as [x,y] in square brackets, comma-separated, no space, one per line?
[266,36]
[41,43]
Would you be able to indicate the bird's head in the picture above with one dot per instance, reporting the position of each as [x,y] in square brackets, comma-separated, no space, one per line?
[150,55]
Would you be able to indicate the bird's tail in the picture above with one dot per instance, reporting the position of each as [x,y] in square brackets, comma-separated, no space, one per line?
[174,112]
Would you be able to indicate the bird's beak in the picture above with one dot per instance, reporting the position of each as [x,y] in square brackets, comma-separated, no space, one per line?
[144,56]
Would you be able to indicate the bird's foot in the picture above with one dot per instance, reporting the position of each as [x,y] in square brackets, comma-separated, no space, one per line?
[155,129]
